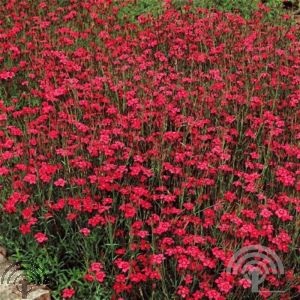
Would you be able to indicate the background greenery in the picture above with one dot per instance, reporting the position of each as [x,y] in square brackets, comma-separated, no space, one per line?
[244,7]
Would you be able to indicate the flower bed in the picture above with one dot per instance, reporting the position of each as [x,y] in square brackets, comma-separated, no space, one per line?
[136,159]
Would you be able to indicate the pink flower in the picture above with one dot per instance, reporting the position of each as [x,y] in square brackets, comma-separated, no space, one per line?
[40,237]
[264,293]
[25,228]
[89,277]
[96,266]
[60,182]
[7,75]
[30,178]
[265,213]
[283,214]
[245,283]
[230,196]
[68,293]
[85,231]
[183,291]
[100,276]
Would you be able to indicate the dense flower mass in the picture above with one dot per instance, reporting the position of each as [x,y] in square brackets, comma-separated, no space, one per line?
[147,153]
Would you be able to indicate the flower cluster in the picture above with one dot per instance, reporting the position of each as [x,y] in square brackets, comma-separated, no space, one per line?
[159,148]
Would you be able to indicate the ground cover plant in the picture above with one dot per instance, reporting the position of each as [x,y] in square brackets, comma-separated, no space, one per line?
[137,158]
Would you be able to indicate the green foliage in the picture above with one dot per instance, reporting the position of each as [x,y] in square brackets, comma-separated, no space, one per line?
[133,10]
[244,7]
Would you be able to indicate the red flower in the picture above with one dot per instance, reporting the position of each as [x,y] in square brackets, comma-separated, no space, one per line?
[100,276]
[89,277]
[68,293]
[25,228]
[60,182]
[183,291]
[40,237]
[7,75]
[30,178]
